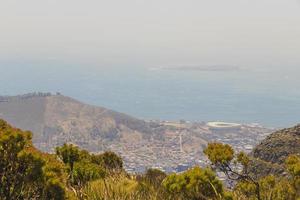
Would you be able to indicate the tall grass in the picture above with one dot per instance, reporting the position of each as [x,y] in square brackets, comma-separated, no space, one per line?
[123,187]
[118,187]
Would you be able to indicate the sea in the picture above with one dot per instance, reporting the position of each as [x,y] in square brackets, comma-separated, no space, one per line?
[269,96]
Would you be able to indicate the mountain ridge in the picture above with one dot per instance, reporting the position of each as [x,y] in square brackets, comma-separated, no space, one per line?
[56,119]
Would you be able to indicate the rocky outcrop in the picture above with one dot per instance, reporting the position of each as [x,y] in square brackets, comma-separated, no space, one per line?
[270,155]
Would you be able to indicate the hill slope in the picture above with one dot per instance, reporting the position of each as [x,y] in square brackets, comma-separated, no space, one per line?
[56,119]
[272,152]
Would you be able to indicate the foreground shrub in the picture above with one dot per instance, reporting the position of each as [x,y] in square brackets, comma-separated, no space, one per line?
[196,183]
[26,173]
[224,159]
[270,188]
[85,171]
[118,187]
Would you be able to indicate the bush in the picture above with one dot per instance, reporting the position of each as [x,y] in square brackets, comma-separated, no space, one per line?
[196,183]
[25,172]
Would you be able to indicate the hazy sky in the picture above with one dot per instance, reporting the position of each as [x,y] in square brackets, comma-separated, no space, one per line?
[152,32]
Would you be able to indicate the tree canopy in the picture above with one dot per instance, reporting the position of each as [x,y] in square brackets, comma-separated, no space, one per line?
[26,173]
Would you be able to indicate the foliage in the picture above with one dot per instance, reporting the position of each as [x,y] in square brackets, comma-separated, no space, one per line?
[154,177]
[69,154]
[109,160]
[150,184]
[113,188]
[73,173]
[293,166]
[84,167]
[222,158]
[86,171]
[194,184]
[219,154]
[198,184]
[270,187]
[24,173]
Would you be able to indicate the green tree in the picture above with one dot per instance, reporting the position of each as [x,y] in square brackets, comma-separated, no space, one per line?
[82,167]
[222,158]
[23,172]
[109,160]
[86,171]
[55,177]
[194,184]
[69,154]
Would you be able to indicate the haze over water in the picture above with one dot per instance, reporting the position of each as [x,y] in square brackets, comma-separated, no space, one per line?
[267,96]
[115,54]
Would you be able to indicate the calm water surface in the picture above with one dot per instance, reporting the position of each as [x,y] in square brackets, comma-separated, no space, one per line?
[267,96]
